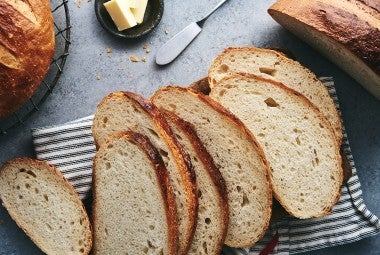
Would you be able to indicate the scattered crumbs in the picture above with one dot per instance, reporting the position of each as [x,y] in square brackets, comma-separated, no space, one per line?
[78,3]
[98,77]
[133,58]
[109,50]
[146,48]
[143,59]
[166,31]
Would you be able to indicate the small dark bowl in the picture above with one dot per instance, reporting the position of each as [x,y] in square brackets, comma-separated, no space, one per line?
[153,15]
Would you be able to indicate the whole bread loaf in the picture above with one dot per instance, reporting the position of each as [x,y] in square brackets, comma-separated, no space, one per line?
[121,111]
[212,222]
[298,141]
[26,48]
[345,31]
[237,155]
[45,206]
[276,66]
[134,209]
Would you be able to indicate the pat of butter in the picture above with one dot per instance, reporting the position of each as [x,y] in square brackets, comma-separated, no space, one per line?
[133,3]
[139,11]
[121,14]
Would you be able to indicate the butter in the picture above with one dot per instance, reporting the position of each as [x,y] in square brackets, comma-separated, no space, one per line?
[121,14]
[133,3]
[139,11]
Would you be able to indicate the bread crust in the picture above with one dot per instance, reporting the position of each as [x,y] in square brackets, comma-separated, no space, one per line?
[68,187]
[326,124]
[232,118]
[183,161]
[208,163]
[27,46]
[162,175]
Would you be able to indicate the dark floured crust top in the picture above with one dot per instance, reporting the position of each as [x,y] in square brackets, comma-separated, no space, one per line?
[27,45]
[208,163]
[162,175]
[45,165]
[320,115]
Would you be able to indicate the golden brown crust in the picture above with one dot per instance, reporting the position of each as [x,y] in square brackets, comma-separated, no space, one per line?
[68,186]
[208,163]
[26,48]
[232,118]
[326,124]
[162,175]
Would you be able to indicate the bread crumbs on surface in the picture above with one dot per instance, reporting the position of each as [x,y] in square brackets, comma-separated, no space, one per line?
[78,3]
[98,77]
[143,59]
[166,31]
[109,50]
[134,58]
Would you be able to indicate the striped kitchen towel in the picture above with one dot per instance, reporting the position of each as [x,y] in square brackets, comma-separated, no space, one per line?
[70,147]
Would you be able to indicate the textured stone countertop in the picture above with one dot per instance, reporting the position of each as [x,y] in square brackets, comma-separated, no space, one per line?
[238,23]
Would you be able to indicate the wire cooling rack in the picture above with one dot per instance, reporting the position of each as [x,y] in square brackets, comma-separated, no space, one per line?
[62,42]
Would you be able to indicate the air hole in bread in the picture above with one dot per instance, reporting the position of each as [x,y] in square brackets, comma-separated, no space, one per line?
[332,177]
[22,170]
[204,245]
[320,124]
[163,153]
[110,145]
[302,200]
[106,231]
[49,228]
[239,165]
[81,250]
[223,68]
[145,250]
[207,221]
[267,70]
[151,227]
[222,92]
[245,200]
[108,165]
[254,188]
[298,140]
[105,120]
[72,223]
[261,134]
[27,185]
[178,137]
[31,173]
[17,187]
[20,197]
[46,198]
[172,106]
[238,188]
[81,221]
[271,102]
[152,132]
[199,193]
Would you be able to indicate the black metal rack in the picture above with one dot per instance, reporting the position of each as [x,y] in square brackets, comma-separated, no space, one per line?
[62,37]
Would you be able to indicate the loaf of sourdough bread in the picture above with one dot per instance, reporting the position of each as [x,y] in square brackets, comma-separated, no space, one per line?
[134,209]
[212,223]
[27,46]
[298,141]
[121,111]
[276,66]
[45,206]
[347,32]
[237,155]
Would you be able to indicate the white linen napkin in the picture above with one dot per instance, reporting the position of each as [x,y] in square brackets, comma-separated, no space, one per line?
[70,147]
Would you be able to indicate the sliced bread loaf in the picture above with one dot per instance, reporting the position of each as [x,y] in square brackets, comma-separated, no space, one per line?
[134,209]
[237,155]
[212,221]
[122,111]
[45,206]
[276,66]
[298,141]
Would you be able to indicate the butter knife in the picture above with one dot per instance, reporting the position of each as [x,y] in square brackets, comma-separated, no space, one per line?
[172,48]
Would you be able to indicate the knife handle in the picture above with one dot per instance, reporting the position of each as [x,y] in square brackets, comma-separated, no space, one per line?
[172,48]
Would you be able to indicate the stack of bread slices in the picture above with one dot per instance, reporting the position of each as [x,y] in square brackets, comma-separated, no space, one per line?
[192,169]
[260,125]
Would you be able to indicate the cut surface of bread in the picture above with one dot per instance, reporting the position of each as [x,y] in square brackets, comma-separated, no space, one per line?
[276,66]
[237,155]
[212,221]
[45,206]
[297,139]
[122,111]
[345,31]
[134,208]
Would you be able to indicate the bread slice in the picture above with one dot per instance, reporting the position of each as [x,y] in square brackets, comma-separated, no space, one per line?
[298,141]
[237,155]
[122,111]
[134,209]
[45,206]
[276,66]
[346,32]
[212,221]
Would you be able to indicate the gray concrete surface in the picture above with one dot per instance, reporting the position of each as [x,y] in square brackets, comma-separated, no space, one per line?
[243,22]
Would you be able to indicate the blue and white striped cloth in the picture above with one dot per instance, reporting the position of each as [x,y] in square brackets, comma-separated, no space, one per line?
[70,147]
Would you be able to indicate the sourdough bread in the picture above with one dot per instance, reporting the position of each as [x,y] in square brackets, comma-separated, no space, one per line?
[134,208]
[347,32]
[297,139]
[276,66]
[27,46]
[122,111]
[45,206]
[237,155]
[212,221]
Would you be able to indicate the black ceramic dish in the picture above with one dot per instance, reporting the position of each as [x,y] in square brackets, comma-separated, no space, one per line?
[153,15]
